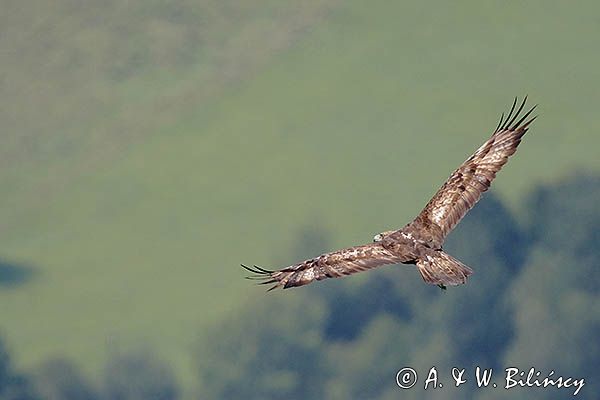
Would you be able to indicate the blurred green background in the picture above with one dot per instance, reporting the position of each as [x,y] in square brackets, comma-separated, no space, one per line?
[149,147]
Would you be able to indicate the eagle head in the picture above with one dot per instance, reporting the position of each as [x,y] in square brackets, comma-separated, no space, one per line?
[379,237]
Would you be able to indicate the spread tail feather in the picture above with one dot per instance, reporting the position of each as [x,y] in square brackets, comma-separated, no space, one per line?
[439,268]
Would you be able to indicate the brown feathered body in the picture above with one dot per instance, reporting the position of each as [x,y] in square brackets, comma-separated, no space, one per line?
[419,242]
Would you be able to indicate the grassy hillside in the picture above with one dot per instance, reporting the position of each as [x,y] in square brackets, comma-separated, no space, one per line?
[147,150]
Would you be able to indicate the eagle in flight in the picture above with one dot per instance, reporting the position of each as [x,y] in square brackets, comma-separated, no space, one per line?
[420,241]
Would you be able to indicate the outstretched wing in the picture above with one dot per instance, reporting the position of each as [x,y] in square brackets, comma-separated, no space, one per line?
[466,185]
[330,265]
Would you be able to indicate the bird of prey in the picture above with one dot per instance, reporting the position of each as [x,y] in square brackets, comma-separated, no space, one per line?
[419,242]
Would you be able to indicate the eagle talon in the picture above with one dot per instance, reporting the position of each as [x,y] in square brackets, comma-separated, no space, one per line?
[442,286]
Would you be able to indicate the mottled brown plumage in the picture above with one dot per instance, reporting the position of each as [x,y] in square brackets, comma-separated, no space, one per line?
[419,242]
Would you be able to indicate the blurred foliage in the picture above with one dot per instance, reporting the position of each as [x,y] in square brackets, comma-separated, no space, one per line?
[139,376]
[149,147]
[59,379]
[533,301]
[82,86]
[13,385]
[135,375]
[89,54]
[273,352]
[13,274]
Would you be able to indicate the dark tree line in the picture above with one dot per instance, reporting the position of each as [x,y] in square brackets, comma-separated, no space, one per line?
[534,300]
[130,376]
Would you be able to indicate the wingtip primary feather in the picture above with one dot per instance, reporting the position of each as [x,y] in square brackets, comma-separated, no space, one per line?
[526,124]
[510,121]
[263,270]
[262,275]
[247,268]
[257,270]
[519,123]
[512,108]
[499,123]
